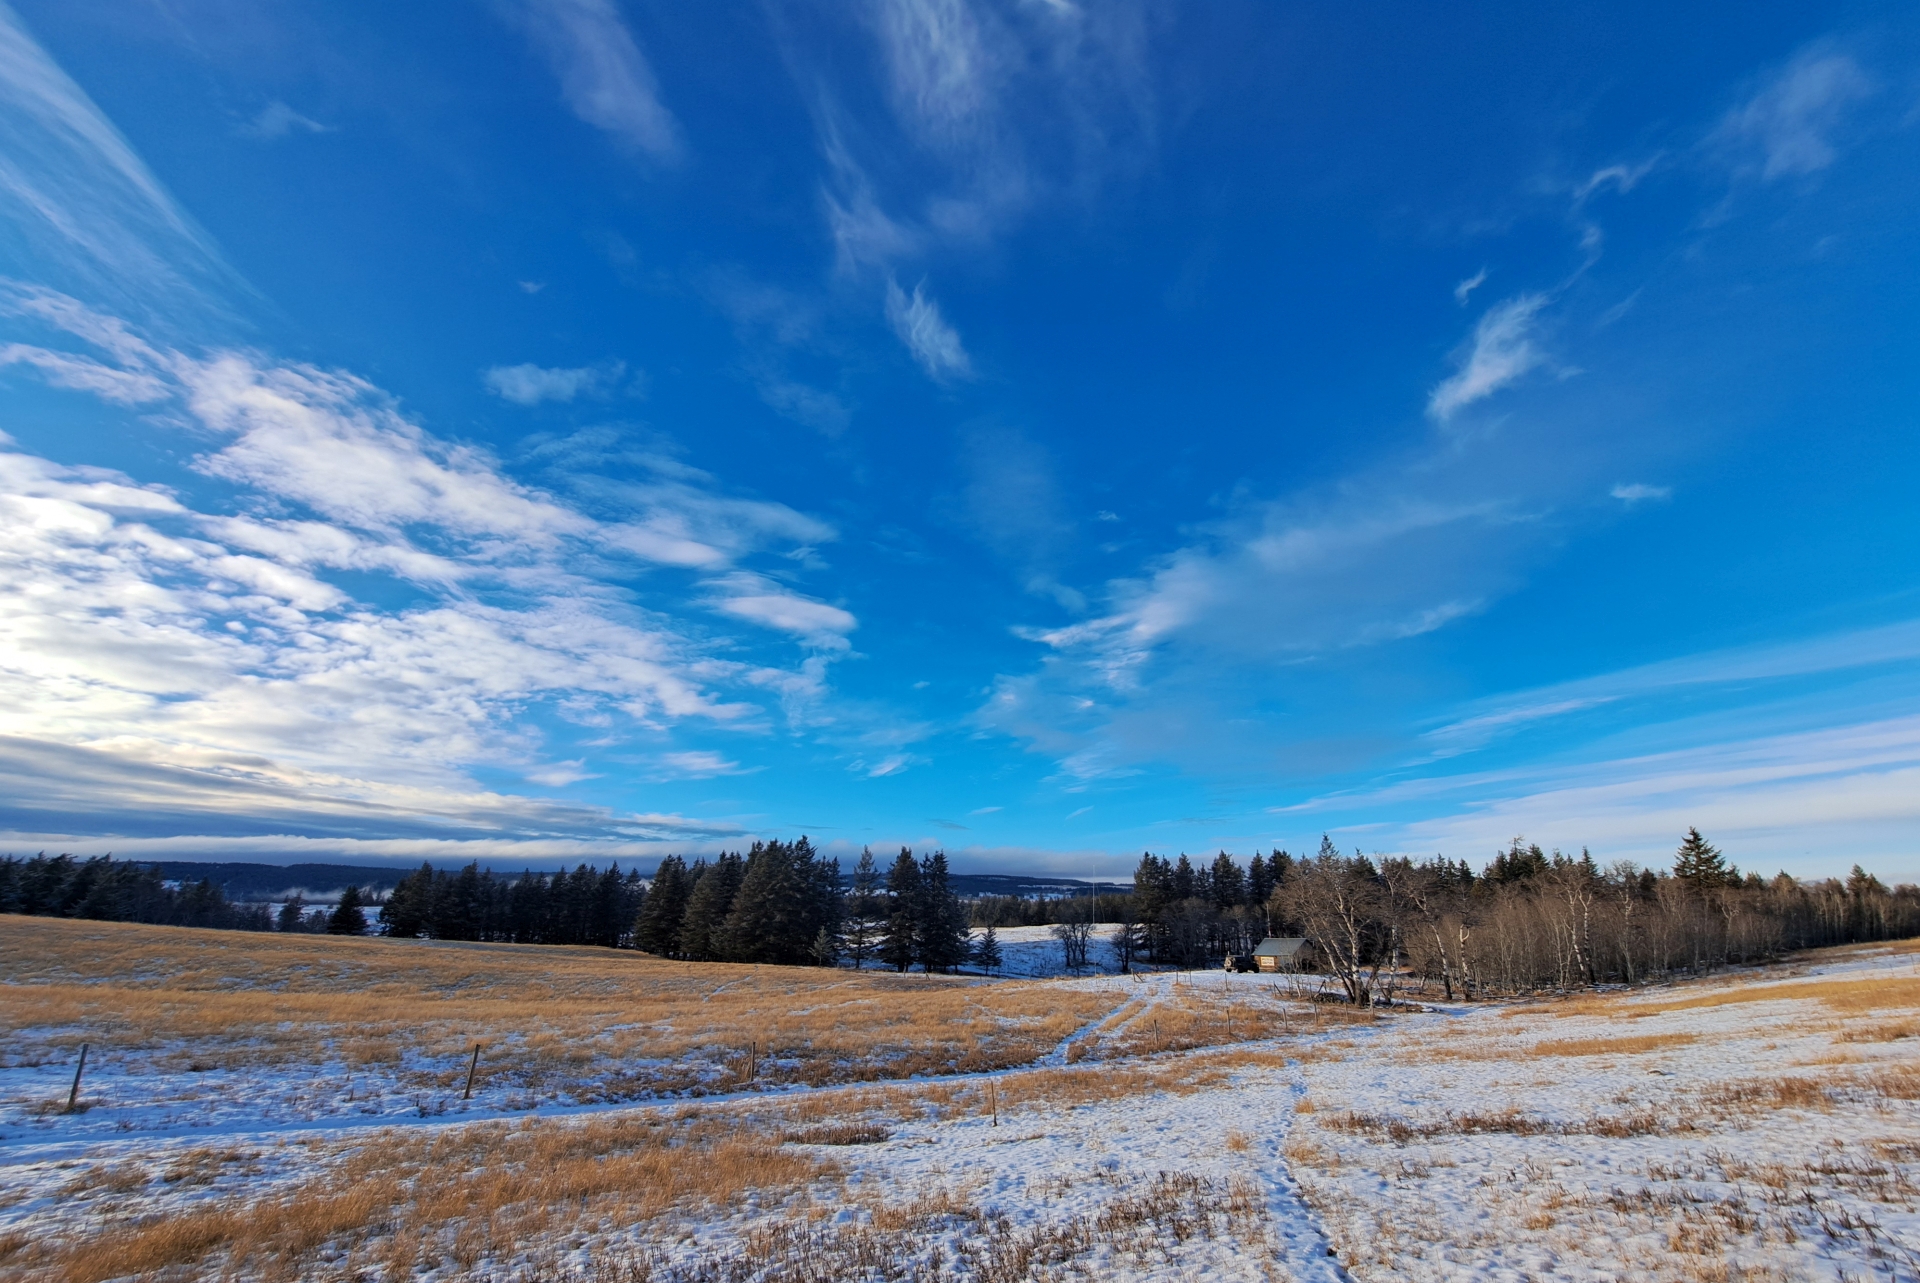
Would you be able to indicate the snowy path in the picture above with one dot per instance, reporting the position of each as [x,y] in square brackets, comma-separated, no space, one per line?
[1052,1163]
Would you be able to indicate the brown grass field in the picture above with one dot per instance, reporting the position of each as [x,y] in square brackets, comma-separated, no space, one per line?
[1714,1125]
[585,1025]
[593,1024]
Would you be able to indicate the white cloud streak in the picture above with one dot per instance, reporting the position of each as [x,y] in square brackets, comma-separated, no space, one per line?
[1891,644]
[1815,800]
[1501,350]
[277,120]
[934,344]
[700,764]
[530,385]
[1468,286]
[604,76]
[1791,121]
[90,213]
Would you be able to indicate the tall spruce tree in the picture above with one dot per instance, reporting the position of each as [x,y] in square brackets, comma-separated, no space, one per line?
[709,905]
[658,929]
[825,904]
[1259,882]
[348,918]
[409,908]
[866,920]
[1229,884]
[1184,879]
[1699,864]
[942,920]
[900,943]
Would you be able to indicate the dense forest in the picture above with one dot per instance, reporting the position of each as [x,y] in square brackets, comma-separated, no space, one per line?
[119,891]
[1528,920]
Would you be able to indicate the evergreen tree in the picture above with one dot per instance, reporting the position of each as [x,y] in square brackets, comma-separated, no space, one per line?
[347,918]
[1228,884]
[1518,864]
[1259,882]
[769,921]
[1152,899]
[292,909]
[985,952]
[201,905]
[825,906]
[708,908]
[1699,865]
[406,912]
[457,906]
[1184,879]
[825,949]
[658,929]
[942,920]
[866,919]
[900,945]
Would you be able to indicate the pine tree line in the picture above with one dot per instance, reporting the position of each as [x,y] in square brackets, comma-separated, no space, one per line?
[111,890]
[783,903]
[586,906]
[1188,915]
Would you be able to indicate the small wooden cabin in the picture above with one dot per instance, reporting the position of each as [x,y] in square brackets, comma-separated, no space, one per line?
[1283,953]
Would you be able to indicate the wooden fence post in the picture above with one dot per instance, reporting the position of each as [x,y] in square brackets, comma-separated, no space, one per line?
[993,1102]
[472,1065]
[73,1093]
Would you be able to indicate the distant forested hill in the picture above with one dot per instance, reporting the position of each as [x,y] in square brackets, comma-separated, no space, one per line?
[255,882]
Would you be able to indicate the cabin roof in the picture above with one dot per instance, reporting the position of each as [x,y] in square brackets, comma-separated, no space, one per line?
[1280,946]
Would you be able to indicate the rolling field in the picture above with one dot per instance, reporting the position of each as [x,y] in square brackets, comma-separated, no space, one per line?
[290,1108]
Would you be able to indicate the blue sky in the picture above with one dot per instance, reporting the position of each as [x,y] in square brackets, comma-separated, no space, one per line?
[571,429]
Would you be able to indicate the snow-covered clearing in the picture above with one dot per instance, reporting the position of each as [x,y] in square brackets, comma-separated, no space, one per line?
[1033,952]
[1762,1125]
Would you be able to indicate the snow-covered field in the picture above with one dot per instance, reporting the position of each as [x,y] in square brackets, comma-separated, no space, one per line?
[1762,1125]
[1033,952]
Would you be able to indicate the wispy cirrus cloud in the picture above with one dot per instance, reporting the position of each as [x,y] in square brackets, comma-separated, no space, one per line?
[935,344]
[1787,128]
[993,107]
[90,213]
[277,120]
[604,75]
[761,600]
[1889,645]
[701,764]
[1782,800]
[529,384]
[1502,349]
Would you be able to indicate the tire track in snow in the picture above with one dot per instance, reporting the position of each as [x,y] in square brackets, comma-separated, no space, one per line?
[1308,1252]
[1058,1056]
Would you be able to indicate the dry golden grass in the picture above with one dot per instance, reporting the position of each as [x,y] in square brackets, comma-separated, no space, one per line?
[1881,1031]
[469,1199]
[1492,1050]
[1850,995]
[409,1201]
[594,1023]
[1630,1046]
